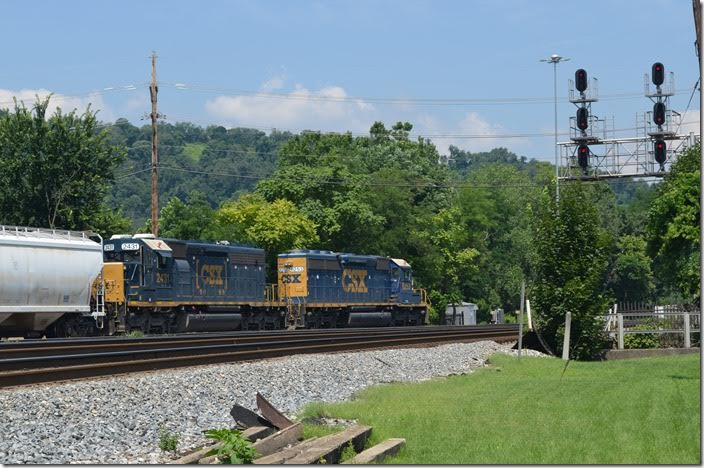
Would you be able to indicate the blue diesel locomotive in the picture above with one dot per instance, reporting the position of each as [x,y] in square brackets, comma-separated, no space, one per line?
[328,289]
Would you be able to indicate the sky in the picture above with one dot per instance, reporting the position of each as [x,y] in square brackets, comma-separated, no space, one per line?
[464,73]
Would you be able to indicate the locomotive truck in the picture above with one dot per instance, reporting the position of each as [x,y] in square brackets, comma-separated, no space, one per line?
[61,283]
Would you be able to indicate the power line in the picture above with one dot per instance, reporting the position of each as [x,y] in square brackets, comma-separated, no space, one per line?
[308,96]
[419,184]
[63,97]
[694,90]
[412,136]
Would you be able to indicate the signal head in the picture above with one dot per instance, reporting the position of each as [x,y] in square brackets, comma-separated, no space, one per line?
[583,156]
[660,150]
[658,73]
[582,118]
[659,113]
[580,80]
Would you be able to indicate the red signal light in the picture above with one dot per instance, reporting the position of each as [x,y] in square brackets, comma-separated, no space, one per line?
[580,78]
[583,156]
[659,113]
[582,118]
[658,73]
[660,151]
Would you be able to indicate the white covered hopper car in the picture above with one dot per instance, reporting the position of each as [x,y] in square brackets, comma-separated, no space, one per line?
[44,275]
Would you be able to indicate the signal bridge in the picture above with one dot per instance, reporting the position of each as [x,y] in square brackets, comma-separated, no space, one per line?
[651,153]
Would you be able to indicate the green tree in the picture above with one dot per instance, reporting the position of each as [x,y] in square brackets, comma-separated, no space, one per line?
[673,228]
[187,220]
[276,227]
[632,274]
[570,272]
[55,170]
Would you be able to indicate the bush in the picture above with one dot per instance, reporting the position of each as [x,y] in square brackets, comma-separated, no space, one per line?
[235,449]
[642,340]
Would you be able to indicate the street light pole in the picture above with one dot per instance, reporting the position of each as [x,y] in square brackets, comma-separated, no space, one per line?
[555,59]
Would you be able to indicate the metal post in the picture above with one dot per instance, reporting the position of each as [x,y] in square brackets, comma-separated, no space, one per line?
[566,342]
[530,320]
[687,342]
[620,331]
[555,59]
[557,162]
[520,319]
[698,19]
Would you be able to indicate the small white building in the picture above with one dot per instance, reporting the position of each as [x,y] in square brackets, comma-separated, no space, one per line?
[463,313]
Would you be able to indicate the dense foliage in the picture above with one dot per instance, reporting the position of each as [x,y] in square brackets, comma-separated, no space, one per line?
[218,163]
[56,169]
[473,225]
[673,228]
[571,266]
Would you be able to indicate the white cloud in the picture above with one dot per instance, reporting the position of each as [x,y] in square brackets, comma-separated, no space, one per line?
[66,103]
[327,109]
[472,124]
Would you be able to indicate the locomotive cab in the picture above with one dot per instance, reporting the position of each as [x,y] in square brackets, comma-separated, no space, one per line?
[402,282]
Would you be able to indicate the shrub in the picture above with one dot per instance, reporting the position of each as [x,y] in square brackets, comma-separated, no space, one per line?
[168,441]
[235,449]
[642,340]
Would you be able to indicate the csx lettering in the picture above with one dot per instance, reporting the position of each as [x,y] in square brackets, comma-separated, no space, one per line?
[290,279]
[353,281]
[212,275]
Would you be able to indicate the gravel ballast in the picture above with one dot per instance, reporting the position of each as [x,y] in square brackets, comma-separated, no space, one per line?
[117,420]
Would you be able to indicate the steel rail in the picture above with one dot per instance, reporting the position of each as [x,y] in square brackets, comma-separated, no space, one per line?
[59,367]
[36,348]
[30,342]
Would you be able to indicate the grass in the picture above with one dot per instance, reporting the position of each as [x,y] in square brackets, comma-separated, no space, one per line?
[631,411]
[194,150]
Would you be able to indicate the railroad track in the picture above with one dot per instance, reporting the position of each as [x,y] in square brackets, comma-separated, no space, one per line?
[36,361]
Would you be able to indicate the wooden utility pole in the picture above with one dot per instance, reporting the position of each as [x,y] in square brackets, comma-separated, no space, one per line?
[153,89]
[697,6]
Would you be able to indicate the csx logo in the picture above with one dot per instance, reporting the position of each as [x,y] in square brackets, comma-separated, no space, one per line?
[353,281]
[291,279]
[212,275]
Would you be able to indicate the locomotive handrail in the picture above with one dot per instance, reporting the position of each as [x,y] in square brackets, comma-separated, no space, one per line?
[272,292]
[423,295]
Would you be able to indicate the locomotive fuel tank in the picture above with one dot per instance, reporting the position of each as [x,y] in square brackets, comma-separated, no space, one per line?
[44,274]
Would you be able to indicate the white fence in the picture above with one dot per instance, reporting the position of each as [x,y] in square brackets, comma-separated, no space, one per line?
[666,329]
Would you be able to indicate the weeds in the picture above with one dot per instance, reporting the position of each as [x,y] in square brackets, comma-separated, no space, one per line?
[348,453]
[235,449]
[168,441]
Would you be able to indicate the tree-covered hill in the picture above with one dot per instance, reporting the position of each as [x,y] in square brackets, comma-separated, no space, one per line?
[217,162]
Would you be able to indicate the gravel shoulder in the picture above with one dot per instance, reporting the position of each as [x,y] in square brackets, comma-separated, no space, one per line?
[116,420]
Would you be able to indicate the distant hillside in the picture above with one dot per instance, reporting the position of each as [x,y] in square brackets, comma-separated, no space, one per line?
[218,162]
